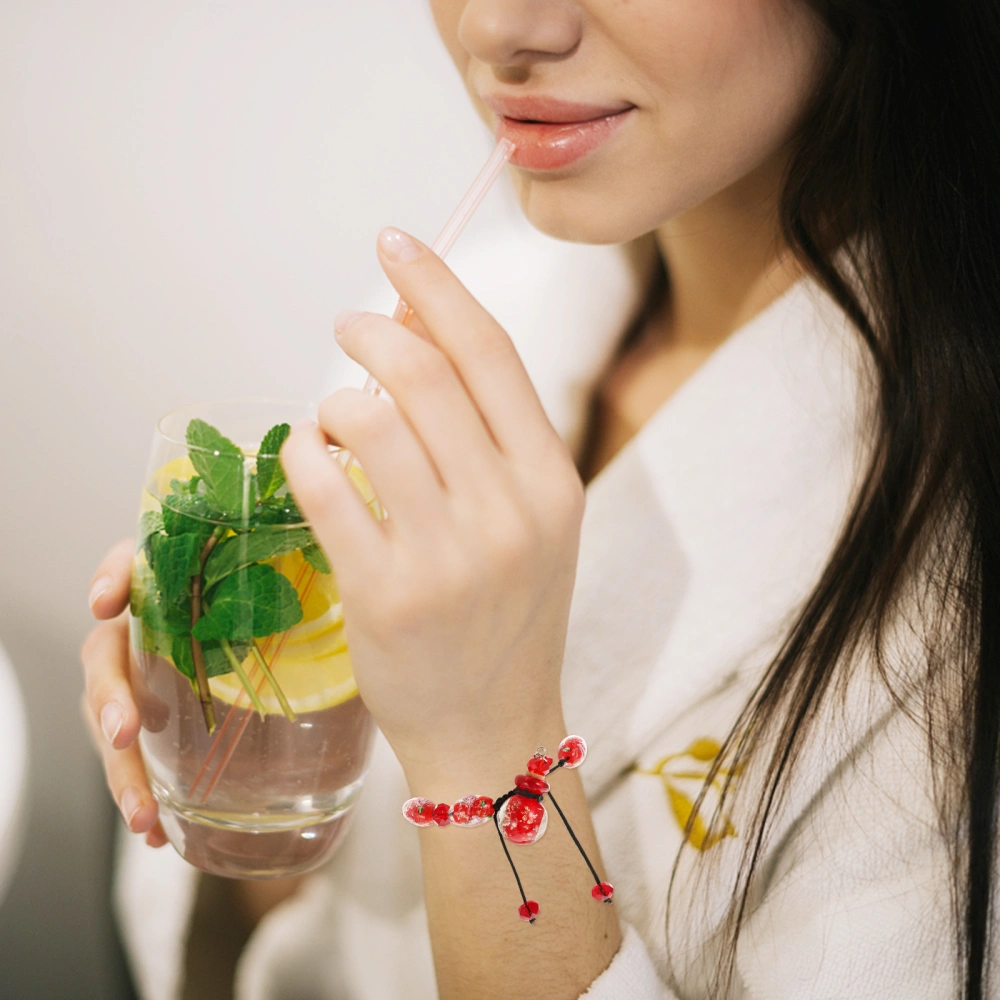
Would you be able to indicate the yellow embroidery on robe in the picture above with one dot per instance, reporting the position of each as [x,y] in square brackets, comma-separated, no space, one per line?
[672,769]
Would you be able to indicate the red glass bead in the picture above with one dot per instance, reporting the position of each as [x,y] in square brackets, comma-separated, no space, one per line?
[420,812]
[573,750]
[540,765]
[528,911]
[522,821]
[483,807]
[440,814]
[532,783]
[470,810]
[603,892]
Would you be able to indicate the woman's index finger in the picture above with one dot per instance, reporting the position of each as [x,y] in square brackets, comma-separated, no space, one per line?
[110,584]
[478,347]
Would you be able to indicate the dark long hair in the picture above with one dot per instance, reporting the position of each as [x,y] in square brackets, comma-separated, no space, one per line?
[892,202]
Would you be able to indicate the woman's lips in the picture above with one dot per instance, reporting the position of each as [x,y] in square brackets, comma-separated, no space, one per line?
[550,134]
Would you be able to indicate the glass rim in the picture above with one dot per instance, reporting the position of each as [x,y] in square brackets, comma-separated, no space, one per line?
[235,400]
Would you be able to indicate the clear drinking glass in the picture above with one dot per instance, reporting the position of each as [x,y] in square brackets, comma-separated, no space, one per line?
[254,738]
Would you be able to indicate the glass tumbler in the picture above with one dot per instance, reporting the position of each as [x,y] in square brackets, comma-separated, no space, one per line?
[254,738]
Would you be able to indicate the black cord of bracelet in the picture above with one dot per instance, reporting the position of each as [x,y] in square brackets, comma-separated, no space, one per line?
[497,803]
[579,846]
[510,861]
[538,796]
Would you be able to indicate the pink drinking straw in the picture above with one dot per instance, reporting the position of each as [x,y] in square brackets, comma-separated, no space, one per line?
[454,226]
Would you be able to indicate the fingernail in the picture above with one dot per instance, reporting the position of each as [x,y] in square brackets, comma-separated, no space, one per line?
[112,720]
[397,246]
[345,319]
[101,586]
[131,803]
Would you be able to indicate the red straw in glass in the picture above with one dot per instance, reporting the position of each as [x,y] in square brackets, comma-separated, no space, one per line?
[265,648]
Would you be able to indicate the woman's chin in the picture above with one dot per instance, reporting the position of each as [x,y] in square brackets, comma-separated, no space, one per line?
[560,209]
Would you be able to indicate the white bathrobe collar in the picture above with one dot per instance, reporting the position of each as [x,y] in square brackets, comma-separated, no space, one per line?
[713,522]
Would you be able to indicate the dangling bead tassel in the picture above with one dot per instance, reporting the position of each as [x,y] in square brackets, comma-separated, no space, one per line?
[602,891]
[528,909]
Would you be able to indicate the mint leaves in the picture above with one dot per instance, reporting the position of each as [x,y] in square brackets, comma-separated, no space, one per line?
[174,561]
[205,592]
[220,463]
[150,523]
[250,604]
[270,475]
[314,556]
[242,550]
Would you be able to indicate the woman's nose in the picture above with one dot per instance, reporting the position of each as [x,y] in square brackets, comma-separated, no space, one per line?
[517,33]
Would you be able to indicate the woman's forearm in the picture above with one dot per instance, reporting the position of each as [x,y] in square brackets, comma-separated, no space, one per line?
[481,946]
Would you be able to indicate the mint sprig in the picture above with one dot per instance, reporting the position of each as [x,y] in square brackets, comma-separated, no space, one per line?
[206,593]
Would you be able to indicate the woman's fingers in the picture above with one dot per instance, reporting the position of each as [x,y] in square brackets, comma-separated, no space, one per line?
[334,507]
[428,390]
[109,586]
[391,455]
[155,836]
[108,692]
[473,341]
[126,778]
[108,707]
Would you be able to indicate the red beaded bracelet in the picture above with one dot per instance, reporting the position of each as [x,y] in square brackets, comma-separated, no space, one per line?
[518,815]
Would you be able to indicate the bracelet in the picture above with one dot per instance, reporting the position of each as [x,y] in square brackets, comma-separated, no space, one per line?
[518,815]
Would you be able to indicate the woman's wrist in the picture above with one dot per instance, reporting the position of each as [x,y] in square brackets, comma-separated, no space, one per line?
[483,763]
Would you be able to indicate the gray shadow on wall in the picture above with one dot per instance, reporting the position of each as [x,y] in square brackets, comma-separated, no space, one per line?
[57,937]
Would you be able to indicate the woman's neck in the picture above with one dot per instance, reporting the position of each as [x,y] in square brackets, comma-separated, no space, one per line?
[726,262]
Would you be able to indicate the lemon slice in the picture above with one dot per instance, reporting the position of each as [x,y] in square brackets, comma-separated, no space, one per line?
[310,685]
[310,662]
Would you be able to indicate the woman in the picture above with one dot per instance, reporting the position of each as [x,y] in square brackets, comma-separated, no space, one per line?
[803,424]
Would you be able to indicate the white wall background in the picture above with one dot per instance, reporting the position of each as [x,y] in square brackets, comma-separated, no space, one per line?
[189,192]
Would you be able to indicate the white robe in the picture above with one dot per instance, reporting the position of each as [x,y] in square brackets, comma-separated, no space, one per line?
[699,541]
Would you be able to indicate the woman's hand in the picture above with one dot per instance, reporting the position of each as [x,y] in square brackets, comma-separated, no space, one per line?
[113,719]
[456,606]
[109,707]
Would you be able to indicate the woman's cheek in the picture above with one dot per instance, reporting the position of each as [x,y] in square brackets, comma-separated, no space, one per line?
[447,14]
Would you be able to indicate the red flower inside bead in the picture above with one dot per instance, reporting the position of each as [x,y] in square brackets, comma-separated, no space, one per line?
[603,892]
[461,811]
[470,811]
[528,911]
[540,765]
[483,807]
[440,814]
[420,812]
[573,750]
